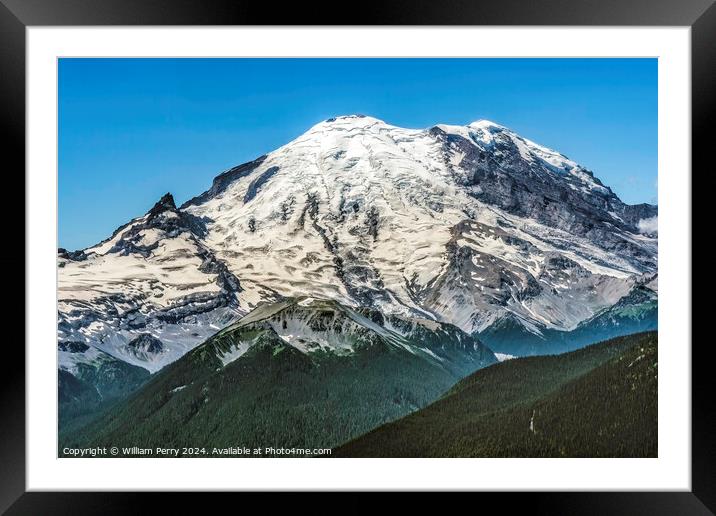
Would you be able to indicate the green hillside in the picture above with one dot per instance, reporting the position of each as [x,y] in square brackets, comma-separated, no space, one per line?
[246,386]
[92,388]
[600,401]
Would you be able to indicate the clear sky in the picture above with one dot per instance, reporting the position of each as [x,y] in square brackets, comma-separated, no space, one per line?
[131,130]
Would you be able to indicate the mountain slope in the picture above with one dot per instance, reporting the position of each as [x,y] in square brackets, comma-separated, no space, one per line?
[298,373]
[474,226]
[636,312]
[465,225]
[89,379]
[596,402]
[154,278]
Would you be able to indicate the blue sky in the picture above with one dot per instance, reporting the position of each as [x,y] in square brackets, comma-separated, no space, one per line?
[132,129]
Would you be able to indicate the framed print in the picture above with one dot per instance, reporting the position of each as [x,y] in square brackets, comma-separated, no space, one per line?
[424,252]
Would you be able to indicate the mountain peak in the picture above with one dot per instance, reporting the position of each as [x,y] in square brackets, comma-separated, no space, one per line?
[163,204]
[486,124]
[348,117]
[344,124]
[356,119]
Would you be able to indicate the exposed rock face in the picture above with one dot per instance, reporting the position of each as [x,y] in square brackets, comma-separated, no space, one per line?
[525,179]
[223,180]
[72,346]
[145,346]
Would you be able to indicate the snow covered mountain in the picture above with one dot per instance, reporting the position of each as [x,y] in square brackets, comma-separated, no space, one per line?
[472,226]
[152,279]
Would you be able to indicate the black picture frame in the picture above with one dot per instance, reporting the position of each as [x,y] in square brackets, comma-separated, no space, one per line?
[17,15]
